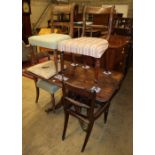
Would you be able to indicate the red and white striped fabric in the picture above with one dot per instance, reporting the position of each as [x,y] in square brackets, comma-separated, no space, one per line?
[90,46]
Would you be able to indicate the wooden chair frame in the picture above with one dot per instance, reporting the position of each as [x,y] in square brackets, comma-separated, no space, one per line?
[96,11]
[90,116]
[61,10]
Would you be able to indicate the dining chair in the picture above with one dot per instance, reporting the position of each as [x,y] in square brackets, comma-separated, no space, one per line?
[81,104]
[101,18]
[65,15]
[88,45]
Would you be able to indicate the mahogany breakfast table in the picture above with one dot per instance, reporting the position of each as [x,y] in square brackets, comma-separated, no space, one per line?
[79,76]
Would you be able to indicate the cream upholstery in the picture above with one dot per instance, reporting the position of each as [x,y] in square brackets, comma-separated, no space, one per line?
[89,46]
[48,40]
[45,70]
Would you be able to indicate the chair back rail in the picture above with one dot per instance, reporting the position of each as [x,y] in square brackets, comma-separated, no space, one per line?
[62,11]
[79,97]
[90,10]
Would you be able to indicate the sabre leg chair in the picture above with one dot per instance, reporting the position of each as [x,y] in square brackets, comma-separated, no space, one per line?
[76,98]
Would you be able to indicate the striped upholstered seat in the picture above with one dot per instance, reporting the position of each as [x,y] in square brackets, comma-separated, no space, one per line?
[90,46]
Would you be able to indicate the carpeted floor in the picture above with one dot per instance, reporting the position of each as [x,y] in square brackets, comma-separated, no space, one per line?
[42,132]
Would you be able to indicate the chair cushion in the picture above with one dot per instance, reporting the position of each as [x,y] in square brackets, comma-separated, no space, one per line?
[90,46]
[51,88]
[48,40]
[45,69]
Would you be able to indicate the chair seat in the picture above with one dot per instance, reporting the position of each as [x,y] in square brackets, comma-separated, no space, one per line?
[90,46]
[48,40]
[51,88]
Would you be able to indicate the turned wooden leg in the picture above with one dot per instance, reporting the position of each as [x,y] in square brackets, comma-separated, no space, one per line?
[62,62]
[97,67]
[56,60]
[65,125]
[89,129]
[107,64]
[33,55]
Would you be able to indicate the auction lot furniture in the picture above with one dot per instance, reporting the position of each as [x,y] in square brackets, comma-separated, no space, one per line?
[77,80]
[84,78]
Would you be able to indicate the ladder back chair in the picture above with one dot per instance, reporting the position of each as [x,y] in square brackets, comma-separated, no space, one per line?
[80,103]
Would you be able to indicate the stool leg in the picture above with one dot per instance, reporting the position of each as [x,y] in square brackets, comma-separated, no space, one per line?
[56,60]
[53,102]
[97,67]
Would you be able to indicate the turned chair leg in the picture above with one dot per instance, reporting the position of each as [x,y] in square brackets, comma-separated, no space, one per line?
[65,125]
[53,102]
[37,94]
[89,129]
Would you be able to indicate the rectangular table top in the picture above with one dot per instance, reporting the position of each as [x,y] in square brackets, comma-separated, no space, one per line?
[85,78]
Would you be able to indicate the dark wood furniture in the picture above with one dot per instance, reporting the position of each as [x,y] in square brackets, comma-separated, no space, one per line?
[80,103]
[26,22]
[117,55]
[82,77]
[124,27]
[104,26]
[79,86]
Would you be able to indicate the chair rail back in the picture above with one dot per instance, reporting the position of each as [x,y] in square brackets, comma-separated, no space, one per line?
[62,11]
[91,10]
[79,97]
